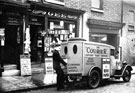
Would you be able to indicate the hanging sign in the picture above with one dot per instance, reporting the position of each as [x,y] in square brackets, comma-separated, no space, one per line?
[25,65]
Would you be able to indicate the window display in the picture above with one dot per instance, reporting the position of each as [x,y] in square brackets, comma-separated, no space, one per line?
[59,31]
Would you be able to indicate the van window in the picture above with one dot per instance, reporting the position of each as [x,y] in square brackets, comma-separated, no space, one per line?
[75,49]
[112,52]
[65,49]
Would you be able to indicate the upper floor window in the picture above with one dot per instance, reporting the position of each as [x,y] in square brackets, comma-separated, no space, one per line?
[131,17]
[61,2]
[97,4]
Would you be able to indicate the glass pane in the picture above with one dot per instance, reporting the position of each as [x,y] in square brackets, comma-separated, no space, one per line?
[95,3]
[131,16]
[102,38]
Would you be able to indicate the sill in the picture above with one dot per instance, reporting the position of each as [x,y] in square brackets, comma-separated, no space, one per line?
[55,2]
[97,10]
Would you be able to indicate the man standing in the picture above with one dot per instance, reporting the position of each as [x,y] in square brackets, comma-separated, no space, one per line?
[57,60]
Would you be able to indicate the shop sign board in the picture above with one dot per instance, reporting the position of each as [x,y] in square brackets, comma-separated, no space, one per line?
[55,14]
[25,65]
[49,66]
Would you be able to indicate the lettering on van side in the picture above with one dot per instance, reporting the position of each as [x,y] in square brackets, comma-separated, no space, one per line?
[96,52]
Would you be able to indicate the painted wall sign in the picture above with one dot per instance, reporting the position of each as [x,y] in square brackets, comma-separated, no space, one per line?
[25,65]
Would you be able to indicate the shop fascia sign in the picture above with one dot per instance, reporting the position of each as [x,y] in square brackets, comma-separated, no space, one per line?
[55,14]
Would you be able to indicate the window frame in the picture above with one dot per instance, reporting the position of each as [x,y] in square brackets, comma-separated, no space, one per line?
[132,11]
[100,9]
[55,1]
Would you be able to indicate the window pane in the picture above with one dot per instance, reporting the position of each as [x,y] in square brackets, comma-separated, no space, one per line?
[131,16]
[95,3]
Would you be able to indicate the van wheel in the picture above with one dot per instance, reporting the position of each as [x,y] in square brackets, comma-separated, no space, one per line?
[127,75]
[94,79]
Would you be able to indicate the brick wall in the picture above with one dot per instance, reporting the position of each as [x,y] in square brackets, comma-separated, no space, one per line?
[111,9]
[128,38]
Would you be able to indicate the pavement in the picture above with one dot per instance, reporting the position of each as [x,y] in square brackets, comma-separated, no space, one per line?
[35,81]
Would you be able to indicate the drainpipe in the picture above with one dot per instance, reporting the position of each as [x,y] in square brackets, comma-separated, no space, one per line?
[121,28]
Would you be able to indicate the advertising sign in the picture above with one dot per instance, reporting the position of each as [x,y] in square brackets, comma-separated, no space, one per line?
[25,65]
[96,51]
[47,43]
[48,66]
[106,68]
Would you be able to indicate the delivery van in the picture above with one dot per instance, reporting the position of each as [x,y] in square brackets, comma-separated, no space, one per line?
[93,62]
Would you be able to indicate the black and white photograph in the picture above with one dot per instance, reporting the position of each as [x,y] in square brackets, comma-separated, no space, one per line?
[67,46]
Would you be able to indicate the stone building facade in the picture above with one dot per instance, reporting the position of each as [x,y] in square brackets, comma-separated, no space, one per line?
[127,41]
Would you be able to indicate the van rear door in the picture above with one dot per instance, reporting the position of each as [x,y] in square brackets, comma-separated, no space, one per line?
[75,60]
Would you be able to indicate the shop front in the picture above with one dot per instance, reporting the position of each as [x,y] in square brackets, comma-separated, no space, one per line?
[59,23]
[105,32]
[11,30]
[49,25]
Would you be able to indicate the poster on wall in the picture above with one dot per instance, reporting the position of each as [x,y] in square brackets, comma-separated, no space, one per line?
[2,36]
[47,43]
[27,41]
[25,65]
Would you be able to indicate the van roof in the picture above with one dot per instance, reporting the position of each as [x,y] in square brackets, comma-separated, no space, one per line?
[91,42]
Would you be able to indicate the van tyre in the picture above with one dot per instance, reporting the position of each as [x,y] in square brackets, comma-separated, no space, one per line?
[94,79]
[127,75]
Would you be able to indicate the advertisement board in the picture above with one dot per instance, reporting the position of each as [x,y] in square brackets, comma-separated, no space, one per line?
[106,68]
[49,66]
[25,65]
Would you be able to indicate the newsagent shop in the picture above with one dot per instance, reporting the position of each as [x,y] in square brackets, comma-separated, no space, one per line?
[11,28]
[32,30]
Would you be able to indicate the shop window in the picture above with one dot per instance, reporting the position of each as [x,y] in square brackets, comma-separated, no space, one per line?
[60,30]
[102,38]
[97,5]
[61,2]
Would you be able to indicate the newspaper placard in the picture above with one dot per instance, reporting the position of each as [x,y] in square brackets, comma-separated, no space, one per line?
[48,66]
[25,65]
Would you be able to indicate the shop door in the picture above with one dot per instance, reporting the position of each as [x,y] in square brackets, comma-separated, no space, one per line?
[11,48]
[36,43]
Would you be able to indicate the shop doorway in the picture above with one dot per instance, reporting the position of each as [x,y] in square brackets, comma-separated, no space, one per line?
[11,52]
[36,43]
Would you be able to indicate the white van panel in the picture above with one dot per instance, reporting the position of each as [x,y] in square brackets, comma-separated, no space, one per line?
[75,60]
